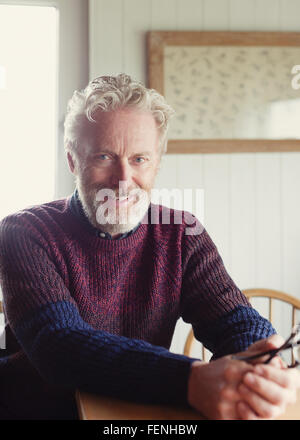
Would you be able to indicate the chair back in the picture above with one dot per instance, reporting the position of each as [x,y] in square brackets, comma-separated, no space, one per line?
[251,293]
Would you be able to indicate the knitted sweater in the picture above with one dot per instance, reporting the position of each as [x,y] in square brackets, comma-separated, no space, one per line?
[98,315]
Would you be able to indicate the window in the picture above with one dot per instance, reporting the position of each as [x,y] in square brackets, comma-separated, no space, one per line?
[28,105]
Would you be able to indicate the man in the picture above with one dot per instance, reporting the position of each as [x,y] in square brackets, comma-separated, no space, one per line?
[93,288]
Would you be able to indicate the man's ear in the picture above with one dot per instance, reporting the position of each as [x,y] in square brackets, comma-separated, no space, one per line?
[71,162]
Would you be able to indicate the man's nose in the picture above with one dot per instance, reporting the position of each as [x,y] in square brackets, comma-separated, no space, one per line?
[122,172]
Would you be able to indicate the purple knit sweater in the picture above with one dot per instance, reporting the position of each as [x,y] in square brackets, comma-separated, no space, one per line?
[99,315]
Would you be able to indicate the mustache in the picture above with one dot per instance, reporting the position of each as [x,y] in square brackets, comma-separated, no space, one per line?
[119,192]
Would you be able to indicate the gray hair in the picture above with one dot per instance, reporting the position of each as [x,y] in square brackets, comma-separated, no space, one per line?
[109,93]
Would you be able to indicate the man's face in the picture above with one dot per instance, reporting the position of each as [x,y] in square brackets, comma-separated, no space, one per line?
[124,158]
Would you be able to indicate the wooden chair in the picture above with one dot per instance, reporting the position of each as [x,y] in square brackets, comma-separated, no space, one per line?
[251,293]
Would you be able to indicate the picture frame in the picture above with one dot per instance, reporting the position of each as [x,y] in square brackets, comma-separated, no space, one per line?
[206,75]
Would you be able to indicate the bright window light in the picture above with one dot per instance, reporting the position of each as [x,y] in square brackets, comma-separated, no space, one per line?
[28,84]
[283,119]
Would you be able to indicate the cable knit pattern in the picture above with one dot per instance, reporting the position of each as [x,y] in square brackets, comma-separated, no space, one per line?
[99,314]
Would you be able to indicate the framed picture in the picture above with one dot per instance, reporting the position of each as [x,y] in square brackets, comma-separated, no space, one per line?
[231,91]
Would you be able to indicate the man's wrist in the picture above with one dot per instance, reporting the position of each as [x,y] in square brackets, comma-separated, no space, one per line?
[193,382]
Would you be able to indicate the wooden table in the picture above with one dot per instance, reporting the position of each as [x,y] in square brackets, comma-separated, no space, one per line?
[95,407]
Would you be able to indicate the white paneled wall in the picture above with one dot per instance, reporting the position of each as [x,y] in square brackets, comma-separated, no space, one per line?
[252,208]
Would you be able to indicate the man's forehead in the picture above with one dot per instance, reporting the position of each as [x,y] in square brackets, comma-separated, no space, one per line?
[138,127]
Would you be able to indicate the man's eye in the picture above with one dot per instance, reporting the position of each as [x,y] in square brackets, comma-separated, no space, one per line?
[140,159]
[103,157]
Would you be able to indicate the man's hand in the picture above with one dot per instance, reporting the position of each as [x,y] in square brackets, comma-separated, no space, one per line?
[232,389]
[263,345]
[213,387]
[267,390]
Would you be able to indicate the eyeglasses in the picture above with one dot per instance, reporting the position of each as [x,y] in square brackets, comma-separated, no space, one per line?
[292,343]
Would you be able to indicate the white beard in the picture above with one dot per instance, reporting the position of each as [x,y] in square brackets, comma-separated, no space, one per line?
[105,215]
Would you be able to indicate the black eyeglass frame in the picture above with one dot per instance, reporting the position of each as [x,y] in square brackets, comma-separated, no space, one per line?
[274,352]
